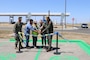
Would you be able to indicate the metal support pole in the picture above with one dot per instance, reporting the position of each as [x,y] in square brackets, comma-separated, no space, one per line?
[27,19]
[48,13]
[65,13]
[11,19]
[57,53]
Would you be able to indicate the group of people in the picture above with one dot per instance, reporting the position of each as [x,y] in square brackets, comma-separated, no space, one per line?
[44,27]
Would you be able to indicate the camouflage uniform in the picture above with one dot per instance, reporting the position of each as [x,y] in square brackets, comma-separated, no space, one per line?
[49,29]
[17,28]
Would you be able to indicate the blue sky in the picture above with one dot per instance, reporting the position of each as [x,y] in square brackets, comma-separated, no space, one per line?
[79,9]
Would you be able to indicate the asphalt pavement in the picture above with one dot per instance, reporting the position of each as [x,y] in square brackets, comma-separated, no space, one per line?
[79,30]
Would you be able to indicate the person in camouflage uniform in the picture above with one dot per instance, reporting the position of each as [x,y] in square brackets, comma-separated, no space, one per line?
[49,29]
[18,28]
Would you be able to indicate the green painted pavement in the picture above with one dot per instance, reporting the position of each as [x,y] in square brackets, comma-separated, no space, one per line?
[80,43]
[38,54]
[7,56]
[64,57]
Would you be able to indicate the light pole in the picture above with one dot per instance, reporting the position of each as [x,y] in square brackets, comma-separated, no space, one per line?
[65,12]
[28,17]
